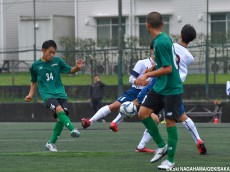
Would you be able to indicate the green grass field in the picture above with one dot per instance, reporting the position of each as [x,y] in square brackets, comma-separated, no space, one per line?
[100,150]
[24,79]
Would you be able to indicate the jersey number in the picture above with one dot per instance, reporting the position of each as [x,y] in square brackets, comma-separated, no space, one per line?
[49,76]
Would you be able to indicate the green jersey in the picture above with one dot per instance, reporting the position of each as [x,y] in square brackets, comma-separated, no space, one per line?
[47,76]
[169,84]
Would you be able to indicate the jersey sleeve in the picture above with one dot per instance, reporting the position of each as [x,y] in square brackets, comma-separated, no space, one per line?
[64,67]
[164,50]
[136,71]
[190,59]
[33,74]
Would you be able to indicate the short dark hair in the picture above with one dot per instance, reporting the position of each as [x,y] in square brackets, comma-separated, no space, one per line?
[49,43]
[151,45]
[188,33]
[154,19]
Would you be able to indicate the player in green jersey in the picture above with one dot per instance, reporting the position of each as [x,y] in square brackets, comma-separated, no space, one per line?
[166,93]
[45,74]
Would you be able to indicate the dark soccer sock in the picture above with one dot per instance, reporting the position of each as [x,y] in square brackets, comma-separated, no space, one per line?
[153,130]
[65,120]
[172,142]
[56,132]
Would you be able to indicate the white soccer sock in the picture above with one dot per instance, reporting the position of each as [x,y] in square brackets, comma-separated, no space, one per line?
[189,124]
[145,139]
[118,119]
[101,113]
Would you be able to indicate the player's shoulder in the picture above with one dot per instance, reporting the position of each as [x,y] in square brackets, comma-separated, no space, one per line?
[182,49]
[57,58]
[37,62]
[143,61]
[163,40]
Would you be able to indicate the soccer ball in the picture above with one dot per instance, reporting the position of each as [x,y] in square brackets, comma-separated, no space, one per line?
[128,109]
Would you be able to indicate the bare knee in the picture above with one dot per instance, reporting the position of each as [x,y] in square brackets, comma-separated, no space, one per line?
[144,112]
[155,118]
[114,106]
[59,109]
[183,117]
[170,123]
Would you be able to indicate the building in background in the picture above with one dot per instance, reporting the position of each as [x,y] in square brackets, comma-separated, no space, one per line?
[54,18]
[98,20]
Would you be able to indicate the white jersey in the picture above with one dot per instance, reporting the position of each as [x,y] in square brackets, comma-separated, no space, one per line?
[185,59]
[139,69]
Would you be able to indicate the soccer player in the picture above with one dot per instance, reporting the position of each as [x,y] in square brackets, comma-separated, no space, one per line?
[45,74]
[141,94]
[188,34]
[139,69]
[166,92]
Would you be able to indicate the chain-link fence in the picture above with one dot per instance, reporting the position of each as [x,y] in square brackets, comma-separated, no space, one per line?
[92,35]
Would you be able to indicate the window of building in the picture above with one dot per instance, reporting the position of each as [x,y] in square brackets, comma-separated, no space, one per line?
[220,28]
[144,37]
[107,31]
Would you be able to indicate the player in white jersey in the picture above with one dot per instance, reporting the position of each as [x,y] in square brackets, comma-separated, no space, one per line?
[130,95]
[185,58]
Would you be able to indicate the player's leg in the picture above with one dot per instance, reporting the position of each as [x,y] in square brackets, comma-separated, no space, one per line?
[60,108]
[190,126]
[146,138]
[50,145]
[53,104]
[129,95]
[105,110]
[172,111]
[58,127]
[101,113]
[153,101]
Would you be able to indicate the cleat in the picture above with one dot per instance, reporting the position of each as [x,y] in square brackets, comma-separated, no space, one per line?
[113,126]
[145,149]
[75,133]
[85,123]
[201,147]
[51,147]
[166,165]
[159,153]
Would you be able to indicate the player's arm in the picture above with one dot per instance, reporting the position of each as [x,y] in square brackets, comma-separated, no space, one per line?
[133,80]
[33,87]
[77,67]
[159,72]
[151,68]
[134,74]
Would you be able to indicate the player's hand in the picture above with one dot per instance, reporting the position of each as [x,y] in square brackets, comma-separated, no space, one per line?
[135,102]
[79,64]
[28,98]
[151,68]
[144,83]
[141,81]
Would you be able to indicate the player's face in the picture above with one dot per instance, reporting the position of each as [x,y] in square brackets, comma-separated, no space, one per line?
[48,53]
